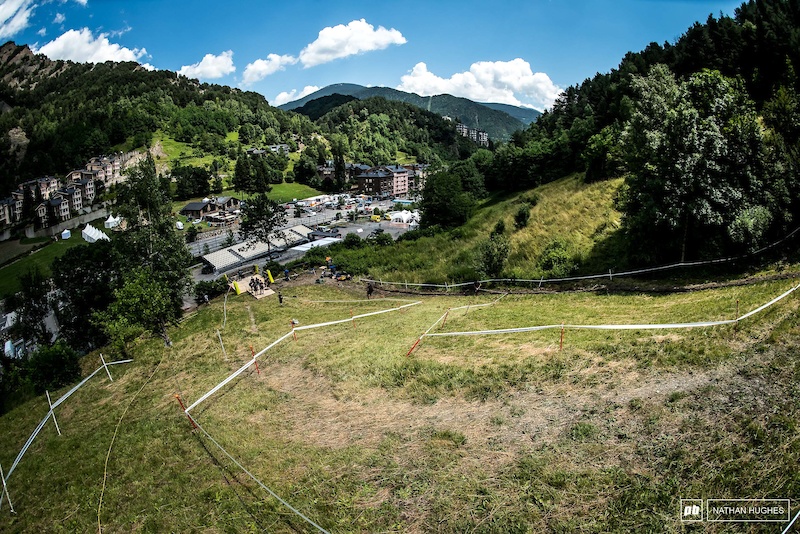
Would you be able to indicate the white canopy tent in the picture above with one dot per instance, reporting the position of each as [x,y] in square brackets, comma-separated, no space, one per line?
[112,222]
[91,234]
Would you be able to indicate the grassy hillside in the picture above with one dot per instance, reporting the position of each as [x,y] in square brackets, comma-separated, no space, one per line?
[581,216]
[502,434]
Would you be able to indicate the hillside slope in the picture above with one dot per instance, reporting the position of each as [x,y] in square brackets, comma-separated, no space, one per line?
[506,433]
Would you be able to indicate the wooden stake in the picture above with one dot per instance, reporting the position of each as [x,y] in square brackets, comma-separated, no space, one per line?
[561,345]
[413,347]
[254,359]
[444,321]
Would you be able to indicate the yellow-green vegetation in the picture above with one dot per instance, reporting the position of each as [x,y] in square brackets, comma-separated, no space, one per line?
[405,159]
[169,152]
[568,210]
[495,434]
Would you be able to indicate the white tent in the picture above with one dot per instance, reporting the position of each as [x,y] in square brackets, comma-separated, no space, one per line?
[66,234]
[404,216]
[112,222]
[92,234]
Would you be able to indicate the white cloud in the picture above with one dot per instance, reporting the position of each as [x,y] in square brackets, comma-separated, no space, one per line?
[59,18]
[42,32]
[261,68]
[342,41]
[14,16]
[81,2]
[506,82]
[292,95]
[82,46]
[210,67]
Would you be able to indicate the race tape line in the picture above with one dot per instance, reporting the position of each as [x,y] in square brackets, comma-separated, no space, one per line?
[50,411]
[280,339]
[662,326]
[257,481]
[596,276]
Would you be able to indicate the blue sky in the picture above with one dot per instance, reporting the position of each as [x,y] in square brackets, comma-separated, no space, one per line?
[520,53]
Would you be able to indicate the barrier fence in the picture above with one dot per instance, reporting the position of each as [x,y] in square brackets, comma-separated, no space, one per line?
[51,413]
[563,326]
[610,275]
[254,360]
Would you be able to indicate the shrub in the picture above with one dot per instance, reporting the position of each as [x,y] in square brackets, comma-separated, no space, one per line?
[499,228]
[556,260]
[212,288]
[53,367]
[492,255]
[352,241]
[522,216]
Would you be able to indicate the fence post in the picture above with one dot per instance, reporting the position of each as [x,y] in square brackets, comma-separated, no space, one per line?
[561,345]
[194,425]
[254,359]
[52,412]
[221,345]
[5,490]
[105,367]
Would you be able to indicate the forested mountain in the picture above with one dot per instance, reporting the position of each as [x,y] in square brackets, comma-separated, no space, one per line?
[314,109]
[495,119]
[372,131]
[58,114]
[708,139]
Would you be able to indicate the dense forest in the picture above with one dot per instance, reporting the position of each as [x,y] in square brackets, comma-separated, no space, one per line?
[59,114]
[706,130]
[375,129]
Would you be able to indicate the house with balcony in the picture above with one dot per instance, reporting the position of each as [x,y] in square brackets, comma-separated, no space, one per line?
[71,195]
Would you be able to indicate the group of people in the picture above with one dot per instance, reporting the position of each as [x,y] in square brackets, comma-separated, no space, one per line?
[257,286]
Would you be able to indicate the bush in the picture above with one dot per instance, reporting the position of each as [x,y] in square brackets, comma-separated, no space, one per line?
[53,367]
[499,228]
[211,288]
[352,241]
[522,216]
[556,261]
[492,255]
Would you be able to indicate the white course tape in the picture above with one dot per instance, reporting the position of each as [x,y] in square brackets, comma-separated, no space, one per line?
[236,373]
[50,411]
[257,481]
[307,327]
[603,275]
[664,326]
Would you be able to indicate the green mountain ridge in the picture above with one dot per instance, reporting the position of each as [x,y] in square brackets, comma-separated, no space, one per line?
[500,121]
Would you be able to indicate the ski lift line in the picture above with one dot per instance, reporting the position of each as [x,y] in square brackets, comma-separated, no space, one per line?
[257,481]
[661,326]
[50,411]
[604,275]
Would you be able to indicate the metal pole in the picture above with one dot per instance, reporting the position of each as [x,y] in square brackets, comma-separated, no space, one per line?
[105,366]
[52,412]
[194,425]
[221,345]
[5,490]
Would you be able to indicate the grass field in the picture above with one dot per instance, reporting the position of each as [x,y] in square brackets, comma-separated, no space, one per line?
[479,434]
[42,259]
